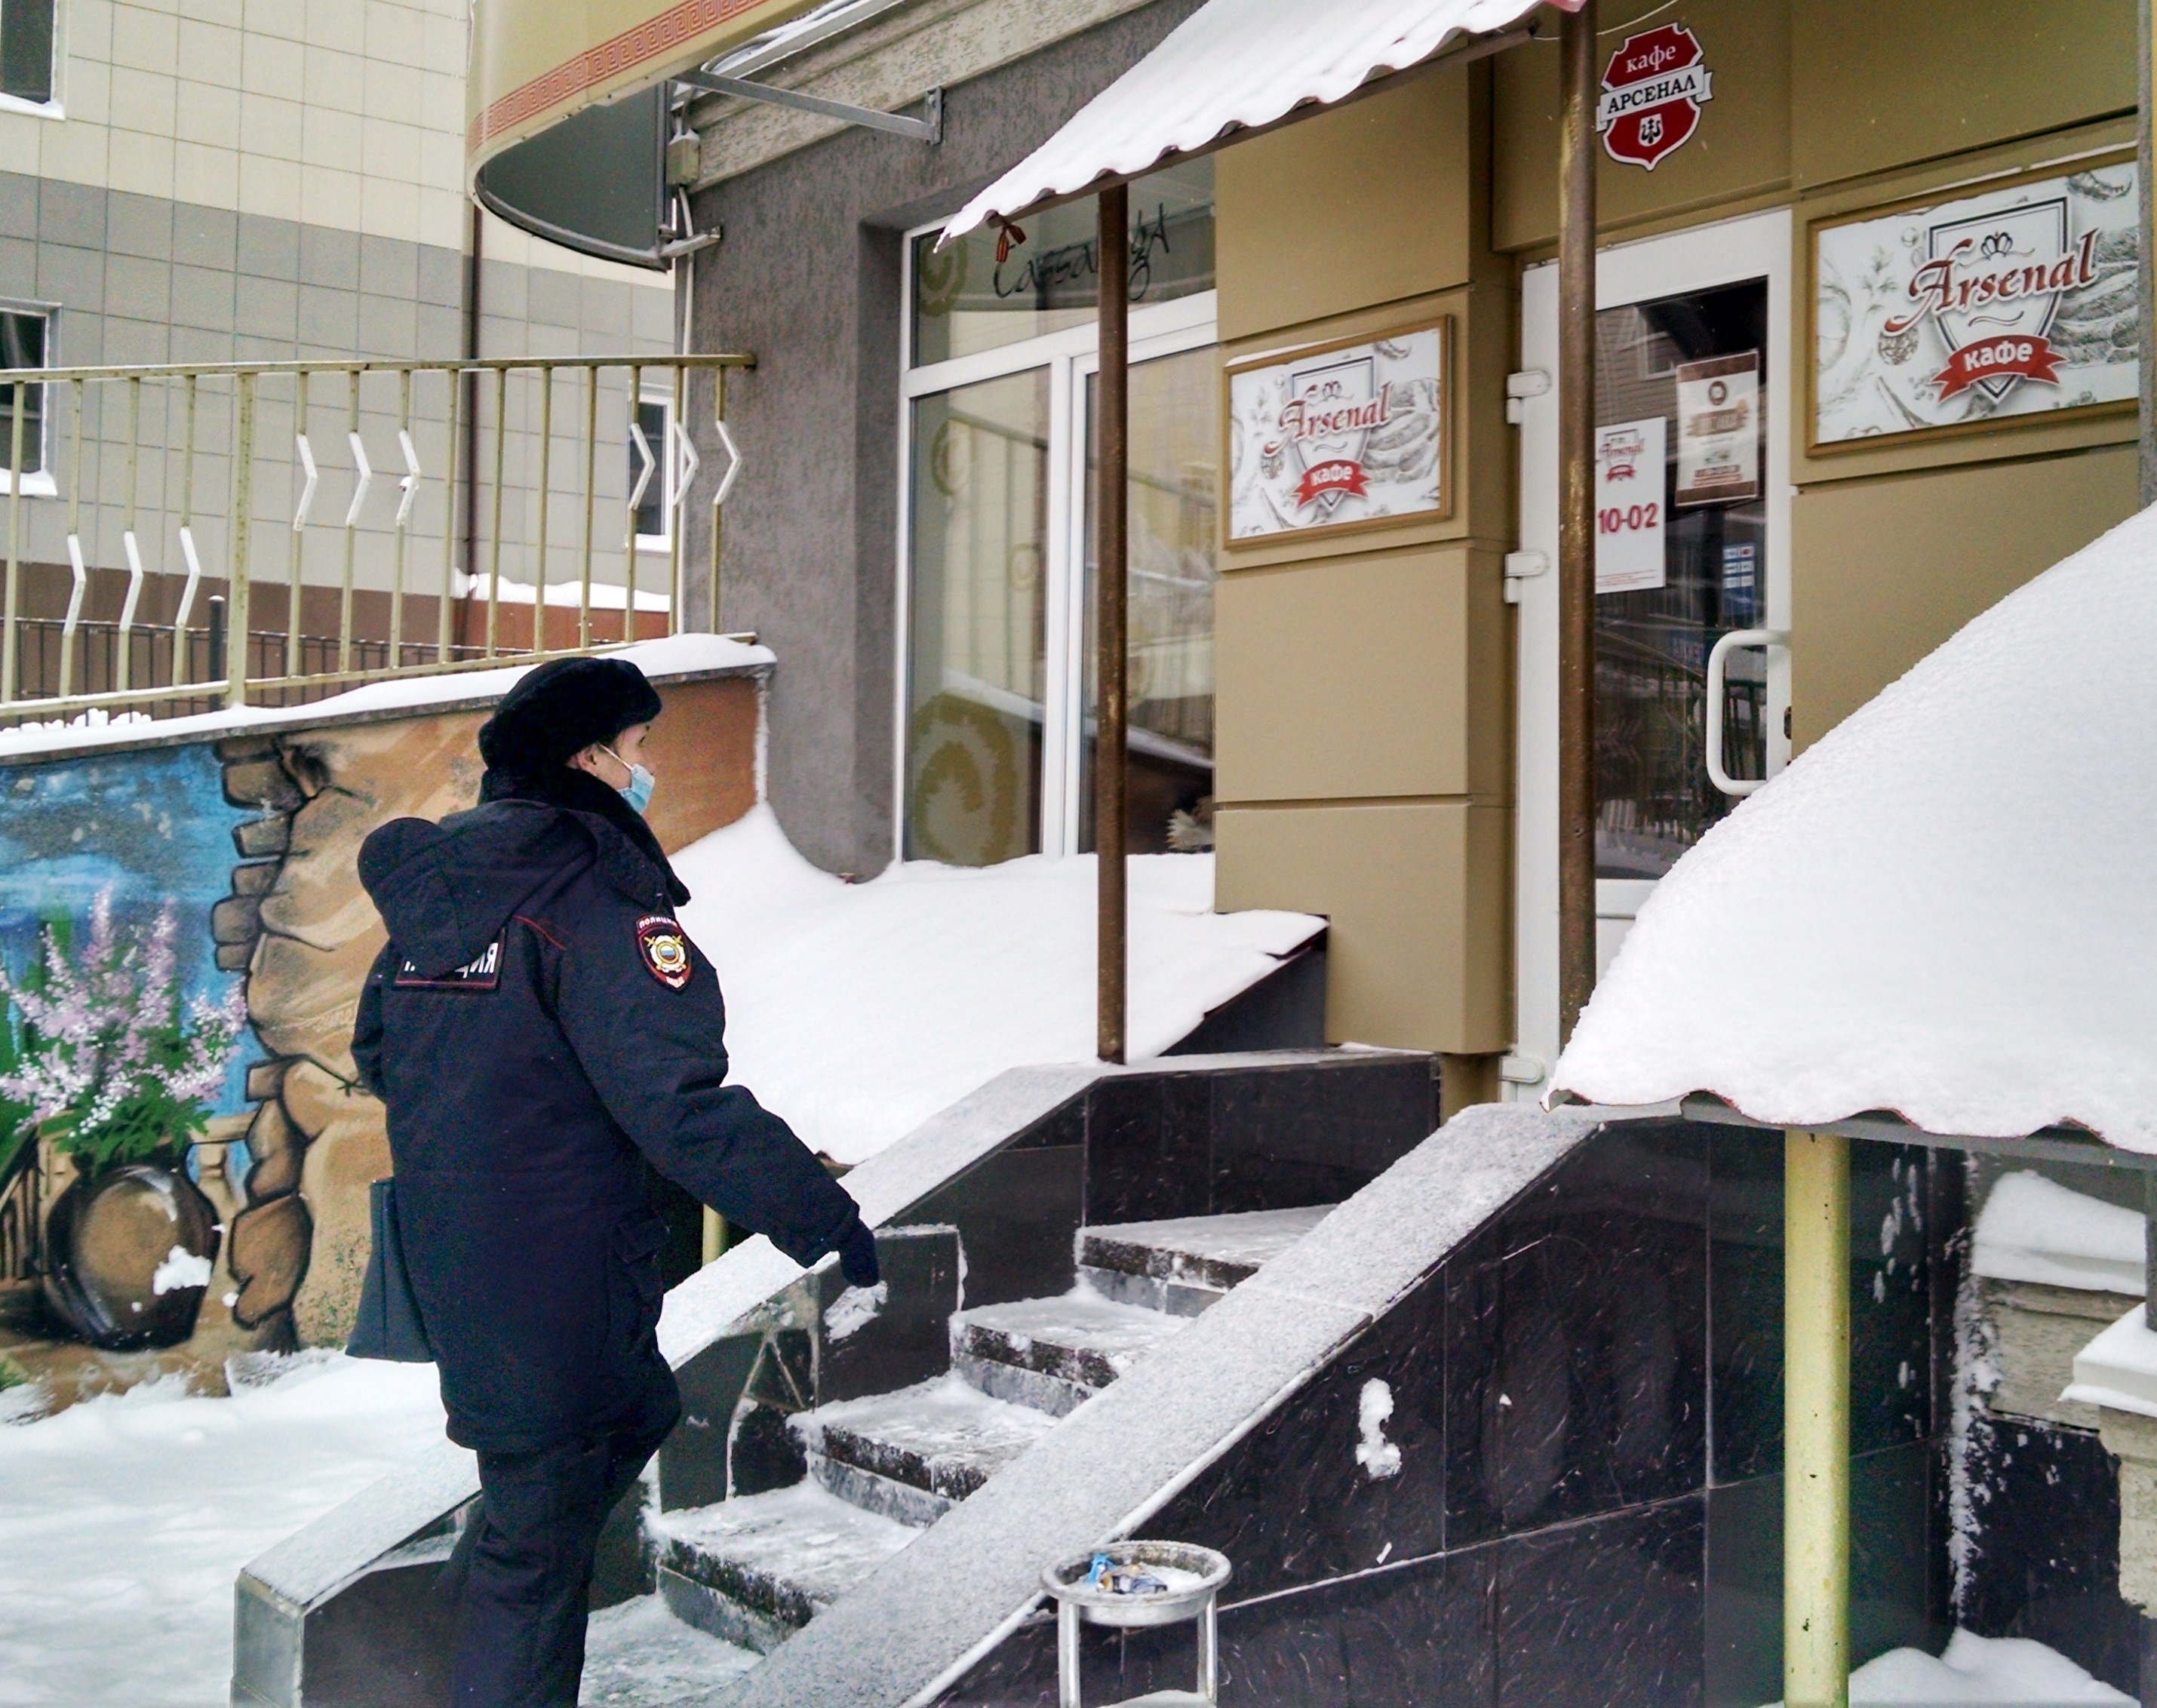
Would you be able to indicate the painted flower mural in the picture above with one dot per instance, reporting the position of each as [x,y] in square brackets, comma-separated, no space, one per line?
[112,1066]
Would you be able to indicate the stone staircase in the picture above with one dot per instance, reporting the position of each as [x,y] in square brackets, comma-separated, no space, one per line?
[755,1568]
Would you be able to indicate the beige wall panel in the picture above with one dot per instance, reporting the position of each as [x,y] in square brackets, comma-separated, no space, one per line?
[1370,203]
[1419,899]
[1883,571]
[1362,676]
[1874,87]
[1742,148]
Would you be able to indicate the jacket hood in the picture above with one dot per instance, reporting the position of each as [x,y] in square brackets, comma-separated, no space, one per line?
[445,891]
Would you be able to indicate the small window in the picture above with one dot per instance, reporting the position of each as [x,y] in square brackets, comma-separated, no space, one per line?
[655,504]
[26,49]
[25,342]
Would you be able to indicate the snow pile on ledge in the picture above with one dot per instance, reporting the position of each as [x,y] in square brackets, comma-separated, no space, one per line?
[125,1519]
[675,655]
[1944,909]
[1974,1670]
[858,1010]
[2033,1229]
[607,596]
[2118,1368]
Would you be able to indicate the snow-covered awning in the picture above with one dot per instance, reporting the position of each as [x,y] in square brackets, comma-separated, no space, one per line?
[1233,66]
[1946,909]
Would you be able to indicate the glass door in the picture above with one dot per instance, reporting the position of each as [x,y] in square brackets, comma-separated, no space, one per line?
[1691,496]
[996,711]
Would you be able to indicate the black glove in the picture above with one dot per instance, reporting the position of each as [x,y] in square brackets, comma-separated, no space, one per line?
[857,1250]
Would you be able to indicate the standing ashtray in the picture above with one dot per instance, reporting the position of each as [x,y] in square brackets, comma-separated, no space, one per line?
[1130,1585]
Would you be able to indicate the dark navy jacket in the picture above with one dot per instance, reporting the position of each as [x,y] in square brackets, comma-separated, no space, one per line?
[537,1025]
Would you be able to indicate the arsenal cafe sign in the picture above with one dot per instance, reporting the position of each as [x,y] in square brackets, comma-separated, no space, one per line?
[2019,302]
[1340,436]
[1652,90]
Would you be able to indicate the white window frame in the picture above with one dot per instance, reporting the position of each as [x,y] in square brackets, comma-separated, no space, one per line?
[1070,356]
[56,108]
[665,473]
[43,484]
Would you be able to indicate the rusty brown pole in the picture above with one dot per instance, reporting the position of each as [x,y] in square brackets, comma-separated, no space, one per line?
[1576,517]
[1112,422]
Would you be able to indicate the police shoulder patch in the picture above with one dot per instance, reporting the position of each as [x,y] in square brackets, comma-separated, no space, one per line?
[665,949]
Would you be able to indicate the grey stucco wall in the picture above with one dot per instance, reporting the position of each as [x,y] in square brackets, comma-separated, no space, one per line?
[808,279]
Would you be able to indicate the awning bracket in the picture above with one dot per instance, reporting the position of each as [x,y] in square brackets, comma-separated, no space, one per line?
[929,129]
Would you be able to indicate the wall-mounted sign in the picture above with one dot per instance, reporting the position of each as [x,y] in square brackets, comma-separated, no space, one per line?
[1652,89]
[1719,429]
[1628,506]
[1341,435]
[2018,301]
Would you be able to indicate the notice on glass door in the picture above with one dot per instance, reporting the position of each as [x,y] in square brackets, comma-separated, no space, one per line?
[1719,429]
[1628,506]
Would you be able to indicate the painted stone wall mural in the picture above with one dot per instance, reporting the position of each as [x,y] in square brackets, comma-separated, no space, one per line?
[184,1159]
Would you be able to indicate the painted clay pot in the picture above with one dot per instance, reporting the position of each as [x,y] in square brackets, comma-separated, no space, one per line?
[129,1251]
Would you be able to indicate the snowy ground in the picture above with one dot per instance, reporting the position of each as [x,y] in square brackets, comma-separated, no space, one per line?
[125,1519]
[858,1010]
[1978,1670]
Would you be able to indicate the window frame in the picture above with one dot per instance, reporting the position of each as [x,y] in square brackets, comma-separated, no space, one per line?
[56,106]
[665,472]
[42,483]
[1169,328]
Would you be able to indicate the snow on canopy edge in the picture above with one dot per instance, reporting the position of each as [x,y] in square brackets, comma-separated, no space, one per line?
[1975,1046]
[672,658]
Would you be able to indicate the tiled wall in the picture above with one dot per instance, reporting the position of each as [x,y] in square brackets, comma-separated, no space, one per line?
[132,278]
[340,113]
[1587,1402]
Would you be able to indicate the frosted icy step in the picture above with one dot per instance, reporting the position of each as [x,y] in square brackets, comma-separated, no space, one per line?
[755,1569]
[1054,1353]
[936,1441]
[1184,1265]
[639,1656]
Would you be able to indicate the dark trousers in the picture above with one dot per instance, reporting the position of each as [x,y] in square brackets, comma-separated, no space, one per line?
[523,1567]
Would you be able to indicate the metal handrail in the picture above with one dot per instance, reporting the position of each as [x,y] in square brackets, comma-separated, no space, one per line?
[146,508]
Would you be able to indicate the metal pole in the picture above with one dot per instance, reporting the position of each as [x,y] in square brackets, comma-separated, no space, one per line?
[1111,423]
[2146,155]
[237,615]
[1575,548]
[1815,1419]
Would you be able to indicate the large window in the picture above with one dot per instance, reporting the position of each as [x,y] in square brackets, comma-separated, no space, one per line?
[26,51]
[997,737]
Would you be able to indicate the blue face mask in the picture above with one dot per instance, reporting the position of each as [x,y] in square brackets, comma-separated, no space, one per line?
[641,783]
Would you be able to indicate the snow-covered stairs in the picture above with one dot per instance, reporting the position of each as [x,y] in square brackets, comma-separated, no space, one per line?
[756,1568]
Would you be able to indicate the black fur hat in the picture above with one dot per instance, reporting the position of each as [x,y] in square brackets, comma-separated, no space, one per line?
[561,708]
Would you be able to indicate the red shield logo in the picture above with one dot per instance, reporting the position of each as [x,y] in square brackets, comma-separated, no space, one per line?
[1652,90]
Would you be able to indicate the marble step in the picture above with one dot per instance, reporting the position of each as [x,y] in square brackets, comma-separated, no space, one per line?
[910,1454]
[1054,1353]
[755,1569]
[1185,1265]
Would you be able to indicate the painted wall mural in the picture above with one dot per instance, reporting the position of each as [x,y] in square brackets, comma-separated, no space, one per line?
[184,1161]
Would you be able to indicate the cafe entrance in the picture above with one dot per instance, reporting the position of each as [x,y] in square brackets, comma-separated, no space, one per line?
[1692,549]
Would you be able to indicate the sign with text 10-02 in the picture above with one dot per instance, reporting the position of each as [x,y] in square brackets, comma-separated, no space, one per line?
[1628,506]
[1346,434]
[2017,301]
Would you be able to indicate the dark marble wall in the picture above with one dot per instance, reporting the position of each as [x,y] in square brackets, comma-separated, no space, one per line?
[1575,1497]
[2044,1554]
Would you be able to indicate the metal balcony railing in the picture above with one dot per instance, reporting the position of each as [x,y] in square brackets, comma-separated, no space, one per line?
[412,517]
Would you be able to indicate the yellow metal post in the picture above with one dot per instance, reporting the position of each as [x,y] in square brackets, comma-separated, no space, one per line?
[1815,1419]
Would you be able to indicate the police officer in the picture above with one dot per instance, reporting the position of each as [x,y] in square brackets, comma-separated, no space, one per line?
[539,1027]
